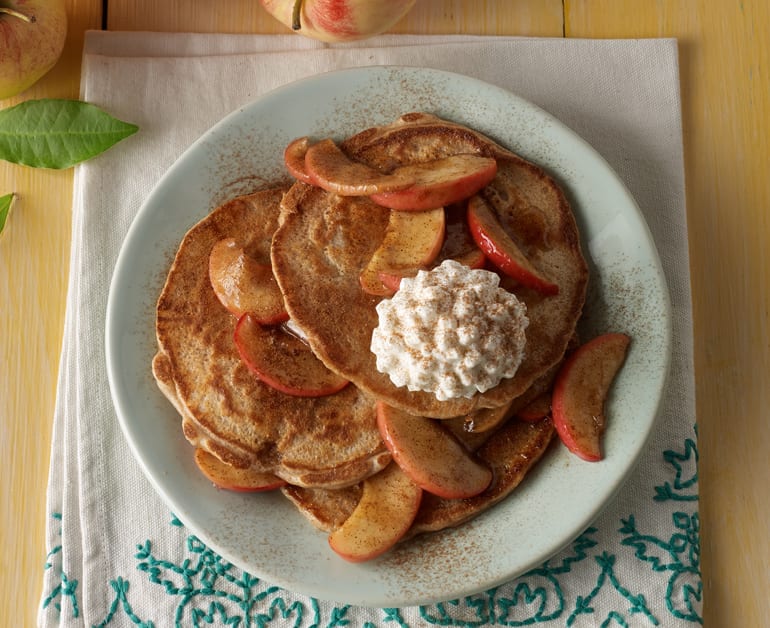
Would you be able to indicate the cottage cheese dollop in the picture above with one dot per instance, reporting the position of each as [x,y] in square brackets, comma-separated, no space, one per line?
[451,331]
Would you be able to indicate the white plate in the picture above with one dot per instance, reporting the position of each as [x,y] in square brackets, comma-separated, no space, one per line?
[263,533]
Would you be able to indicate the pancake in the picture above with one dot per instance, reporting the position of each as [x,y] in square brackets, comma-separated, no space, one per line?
[511,452]
[337,236]
[330,441]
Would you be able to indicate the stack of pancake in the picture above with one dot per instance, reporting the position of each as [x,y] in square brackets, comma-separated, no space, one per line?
[323,448]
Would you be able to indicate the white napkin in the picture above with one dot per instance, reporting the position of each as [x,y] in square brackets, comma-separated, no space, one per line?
[118,556]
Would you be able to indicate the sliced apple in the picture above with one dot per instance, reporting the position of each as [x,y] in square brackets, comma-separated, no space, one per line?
[486,419]
[439,183]
[580,391]
[331,169]
[458,242]
[244,285]
[388,505]
[412,241]
[501,250]
[283,361]
[430,455]
[224,476]
[294,159]
[537,409]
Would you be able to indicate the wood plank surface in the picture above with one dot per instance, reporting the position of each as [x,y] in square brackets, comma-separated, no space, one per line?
[34,264]
[725,62]
[726,104]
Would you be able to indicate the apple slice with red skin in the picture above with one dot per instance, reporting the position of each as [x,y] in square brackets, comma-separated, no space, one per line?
[283,361]
[388,505]
[580,390]
[244,285]
[412,240]
[430,455]
[439,183]
[501,250]
[331,169]
[294,159]
[227,477]
[458,245]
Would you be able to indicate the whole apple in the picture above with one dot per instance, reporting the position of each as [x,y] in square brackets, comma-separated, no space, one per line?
[338,20]
[32,34]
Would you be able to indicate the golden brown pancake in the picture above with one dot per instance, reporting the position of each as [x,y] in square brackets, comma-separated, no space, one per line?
[511,452]
[328,441]
[324,241]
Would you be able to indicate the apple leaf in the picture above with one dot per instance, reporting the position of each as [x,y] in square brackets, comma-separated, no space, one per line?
[57,133]
[5,209]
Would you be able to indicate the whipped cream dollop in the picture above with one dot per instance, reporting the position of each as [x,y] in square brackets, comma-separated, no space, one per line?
[451,331]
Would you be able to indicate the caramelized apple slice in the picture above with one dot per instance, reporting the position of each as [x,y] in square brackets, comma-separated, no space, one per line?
[486,419]
[501,250]
[388,505]
[331,169]
[294,159]
[458,242]
[580,390]
[412,240]
[227,477]
[537,409]
[281,360]
[244,285]
[431,455]
[439,183]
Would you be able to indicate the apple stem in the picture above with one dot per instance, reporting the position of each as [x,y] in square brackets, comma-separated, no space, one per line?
[295,21]
[19,14]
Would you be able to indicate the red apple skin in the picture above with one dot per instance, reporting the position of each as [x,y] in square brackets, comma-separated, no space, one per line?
[331,169]
[340,20]
[439,183]
[243,285]
[283,361]
[229,478]
[501,250]
[580,391]
[388,505]
[30,47]
[294,159]
[430,455]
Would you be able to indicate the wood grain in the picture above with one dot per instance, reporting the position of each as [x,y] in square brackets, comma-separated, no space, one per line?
[34,262]
[726,102]
[725,61]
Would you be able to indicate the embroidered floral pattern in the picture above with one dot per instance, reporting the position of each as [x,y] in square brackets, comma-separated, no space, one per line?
[205,590]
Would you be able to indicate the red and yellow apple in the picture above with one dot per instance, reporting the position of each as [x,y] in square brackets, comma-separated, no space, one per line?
[32,34]
[580,391]
[338,20]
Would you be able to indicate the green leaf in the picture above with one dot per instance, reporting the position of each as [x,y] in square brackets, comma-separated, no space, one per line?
[5,209]
[56,133]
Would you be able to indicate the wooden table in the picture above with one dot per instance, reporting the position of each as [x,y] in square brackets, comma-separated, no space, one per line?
[725,74]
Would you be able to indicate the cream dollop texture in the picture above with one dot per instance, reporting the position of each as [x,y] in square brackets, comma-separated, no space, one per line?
[451,331]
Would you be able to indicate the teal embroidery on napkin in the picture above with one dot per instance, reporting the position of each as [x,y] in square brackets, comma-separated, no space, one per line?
[66,589]
[685,487]
[206,590]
